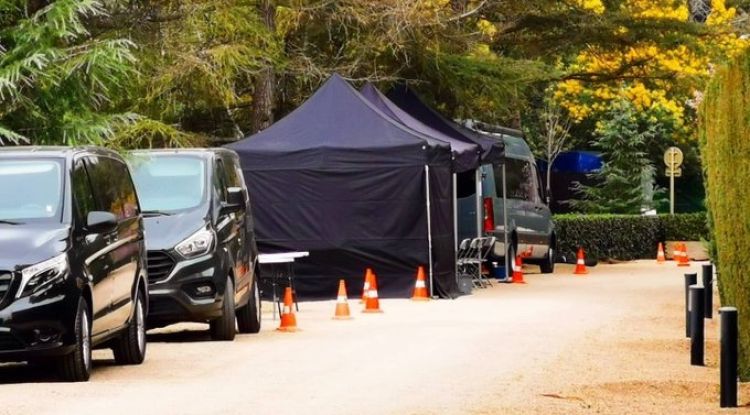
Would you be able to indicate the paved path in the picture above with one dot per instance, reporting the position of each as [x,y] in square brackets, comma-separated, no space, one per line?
[476,354]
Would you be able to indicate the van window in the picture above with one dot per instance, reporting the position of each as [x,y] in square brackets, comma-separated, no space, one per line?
[113,186]
[220,180]
[31,189]
[520,178]
[233,173]
[83,197]
[185,175]
[466,184]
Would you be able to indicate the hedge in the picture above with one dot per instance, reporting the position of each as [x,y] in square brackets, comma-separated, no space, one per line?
[725,152]
[625,237]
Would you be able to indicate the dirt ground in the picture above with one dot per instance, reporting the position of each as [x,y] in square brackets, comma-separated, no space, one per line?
[609,342]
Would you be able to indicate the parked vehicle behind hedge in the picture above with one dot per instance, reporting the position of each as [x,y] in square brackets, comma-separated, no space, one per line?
[72,259]
[199,234]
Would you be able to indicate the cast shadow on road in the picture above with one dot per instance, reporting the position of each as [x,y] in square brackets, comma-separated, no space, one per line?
[182,336]
[15,373]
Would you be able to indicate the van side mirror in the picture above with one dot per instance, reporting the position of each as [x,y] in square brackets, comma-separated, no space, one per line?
[101,222]
[235,200]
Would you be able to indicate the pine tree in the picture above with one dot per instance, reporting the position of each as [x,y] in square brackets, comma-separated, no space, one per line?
[624,184]
[56,78]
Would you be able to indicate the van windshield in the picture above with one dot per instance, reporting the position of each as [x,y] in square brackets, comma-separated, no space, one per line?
[31,190]
[169,183]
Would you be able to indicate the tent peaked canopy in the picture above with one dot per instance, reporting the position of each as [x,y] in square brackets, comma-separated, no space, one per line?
[466,156]
[355,188]
[409,101]
[335,128]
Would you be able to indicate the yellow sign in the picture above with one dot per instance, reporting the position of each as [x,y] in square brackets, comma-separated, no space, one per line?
[673,157]
[675,172]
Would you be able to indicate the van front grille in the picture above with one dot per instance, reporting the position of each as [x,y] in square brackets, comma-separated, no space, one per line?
[6,278]
[9,342]
[159,265]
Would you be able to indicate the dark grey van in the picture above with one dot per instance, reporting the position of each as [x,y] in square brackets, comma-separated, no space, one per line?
[531,231]
[199,234]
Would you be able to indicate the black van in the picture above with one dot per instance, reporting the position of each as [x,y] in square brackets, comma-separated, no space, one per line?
[72,258]
[199,235]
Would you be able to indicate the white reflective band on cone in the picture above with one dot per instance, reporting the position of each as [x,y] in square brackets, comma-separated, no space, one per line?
[421,284]
[372,294]
[341,299]
[580,262]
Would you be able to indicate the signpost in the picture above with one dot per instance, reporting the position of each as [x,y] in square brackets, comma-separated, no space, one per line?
[673,158]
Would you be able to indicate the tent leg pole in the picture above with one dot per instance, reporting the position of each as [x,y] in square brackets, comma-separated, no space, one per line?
[455,226]
[478,179]
[505,224]
[429,224]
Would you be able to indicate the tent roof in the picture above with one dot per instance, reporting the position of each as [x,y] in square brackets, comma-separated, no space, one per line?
[338,128]
[409,101]
[466,156]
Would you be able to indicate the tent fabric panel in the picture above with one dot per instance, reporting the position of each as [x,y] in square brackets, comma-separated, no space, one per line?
[409,101]
[465,155]
[337,124]
[443,250]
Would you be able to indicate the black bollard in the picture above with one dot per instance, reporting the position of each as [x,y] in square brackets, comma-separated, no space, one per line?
[728,354]
[708,284]
[696,326]
[690,279]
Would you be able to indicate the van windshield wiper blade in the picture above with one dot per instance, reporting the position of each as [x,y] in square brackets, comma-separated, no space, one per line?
[9,222]
[150,213]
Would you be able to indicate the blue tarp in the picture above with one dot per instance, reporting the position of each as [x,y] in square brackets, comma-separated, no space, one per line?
[582,162]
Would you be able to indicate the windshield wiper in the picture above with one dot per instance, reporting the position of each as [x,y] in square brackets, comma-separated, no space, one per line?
[9,222]
[152,213]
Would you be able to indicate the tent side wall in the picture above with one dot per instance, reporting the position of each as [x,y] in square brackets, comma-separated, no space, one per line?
[350,219]
[442,221]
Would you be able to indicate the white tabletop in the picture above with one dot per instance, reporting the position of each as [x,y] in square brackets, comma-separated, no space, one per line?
[281,257]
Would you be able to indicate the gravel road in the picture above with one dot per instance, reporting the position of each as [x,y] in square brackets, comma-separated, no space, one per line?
[510,348]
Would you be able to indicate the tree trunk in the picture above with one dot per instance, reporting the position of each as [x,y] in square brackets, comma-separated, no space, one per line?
[264,98]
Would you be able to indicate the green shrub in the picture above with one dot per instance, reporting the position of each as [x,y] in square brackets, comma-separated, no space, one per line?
[625,237]
[725,151]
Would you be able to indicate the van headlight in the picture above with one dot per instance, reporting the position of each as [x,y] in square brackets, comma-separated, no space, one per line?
[43,275]
[196,244]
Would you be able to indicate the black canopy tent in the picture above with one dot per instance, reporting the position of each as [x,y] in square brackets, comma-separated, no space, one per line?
[340,179]
[493,149]
[466,155]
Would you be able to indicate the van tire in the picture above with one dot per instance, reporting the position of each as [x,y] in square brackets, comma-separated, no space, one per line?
[248,317]
[547,266]
[76,365]
[223,328]
[130,348]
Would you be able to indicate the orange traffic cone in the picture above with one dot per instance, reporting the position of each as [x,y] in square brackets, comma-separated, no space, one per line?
[660,258]
[366,287]
[580,264]
[342,304]
[684,258]
[420,288]
[288,320]
[372,303]
[518,271]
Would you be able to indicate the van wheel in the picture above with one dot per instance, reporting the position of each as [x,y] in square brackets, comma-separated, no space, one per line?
[248,318]
[76,366]
[130,348]
[223,328]
[510,261]
[547,266]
